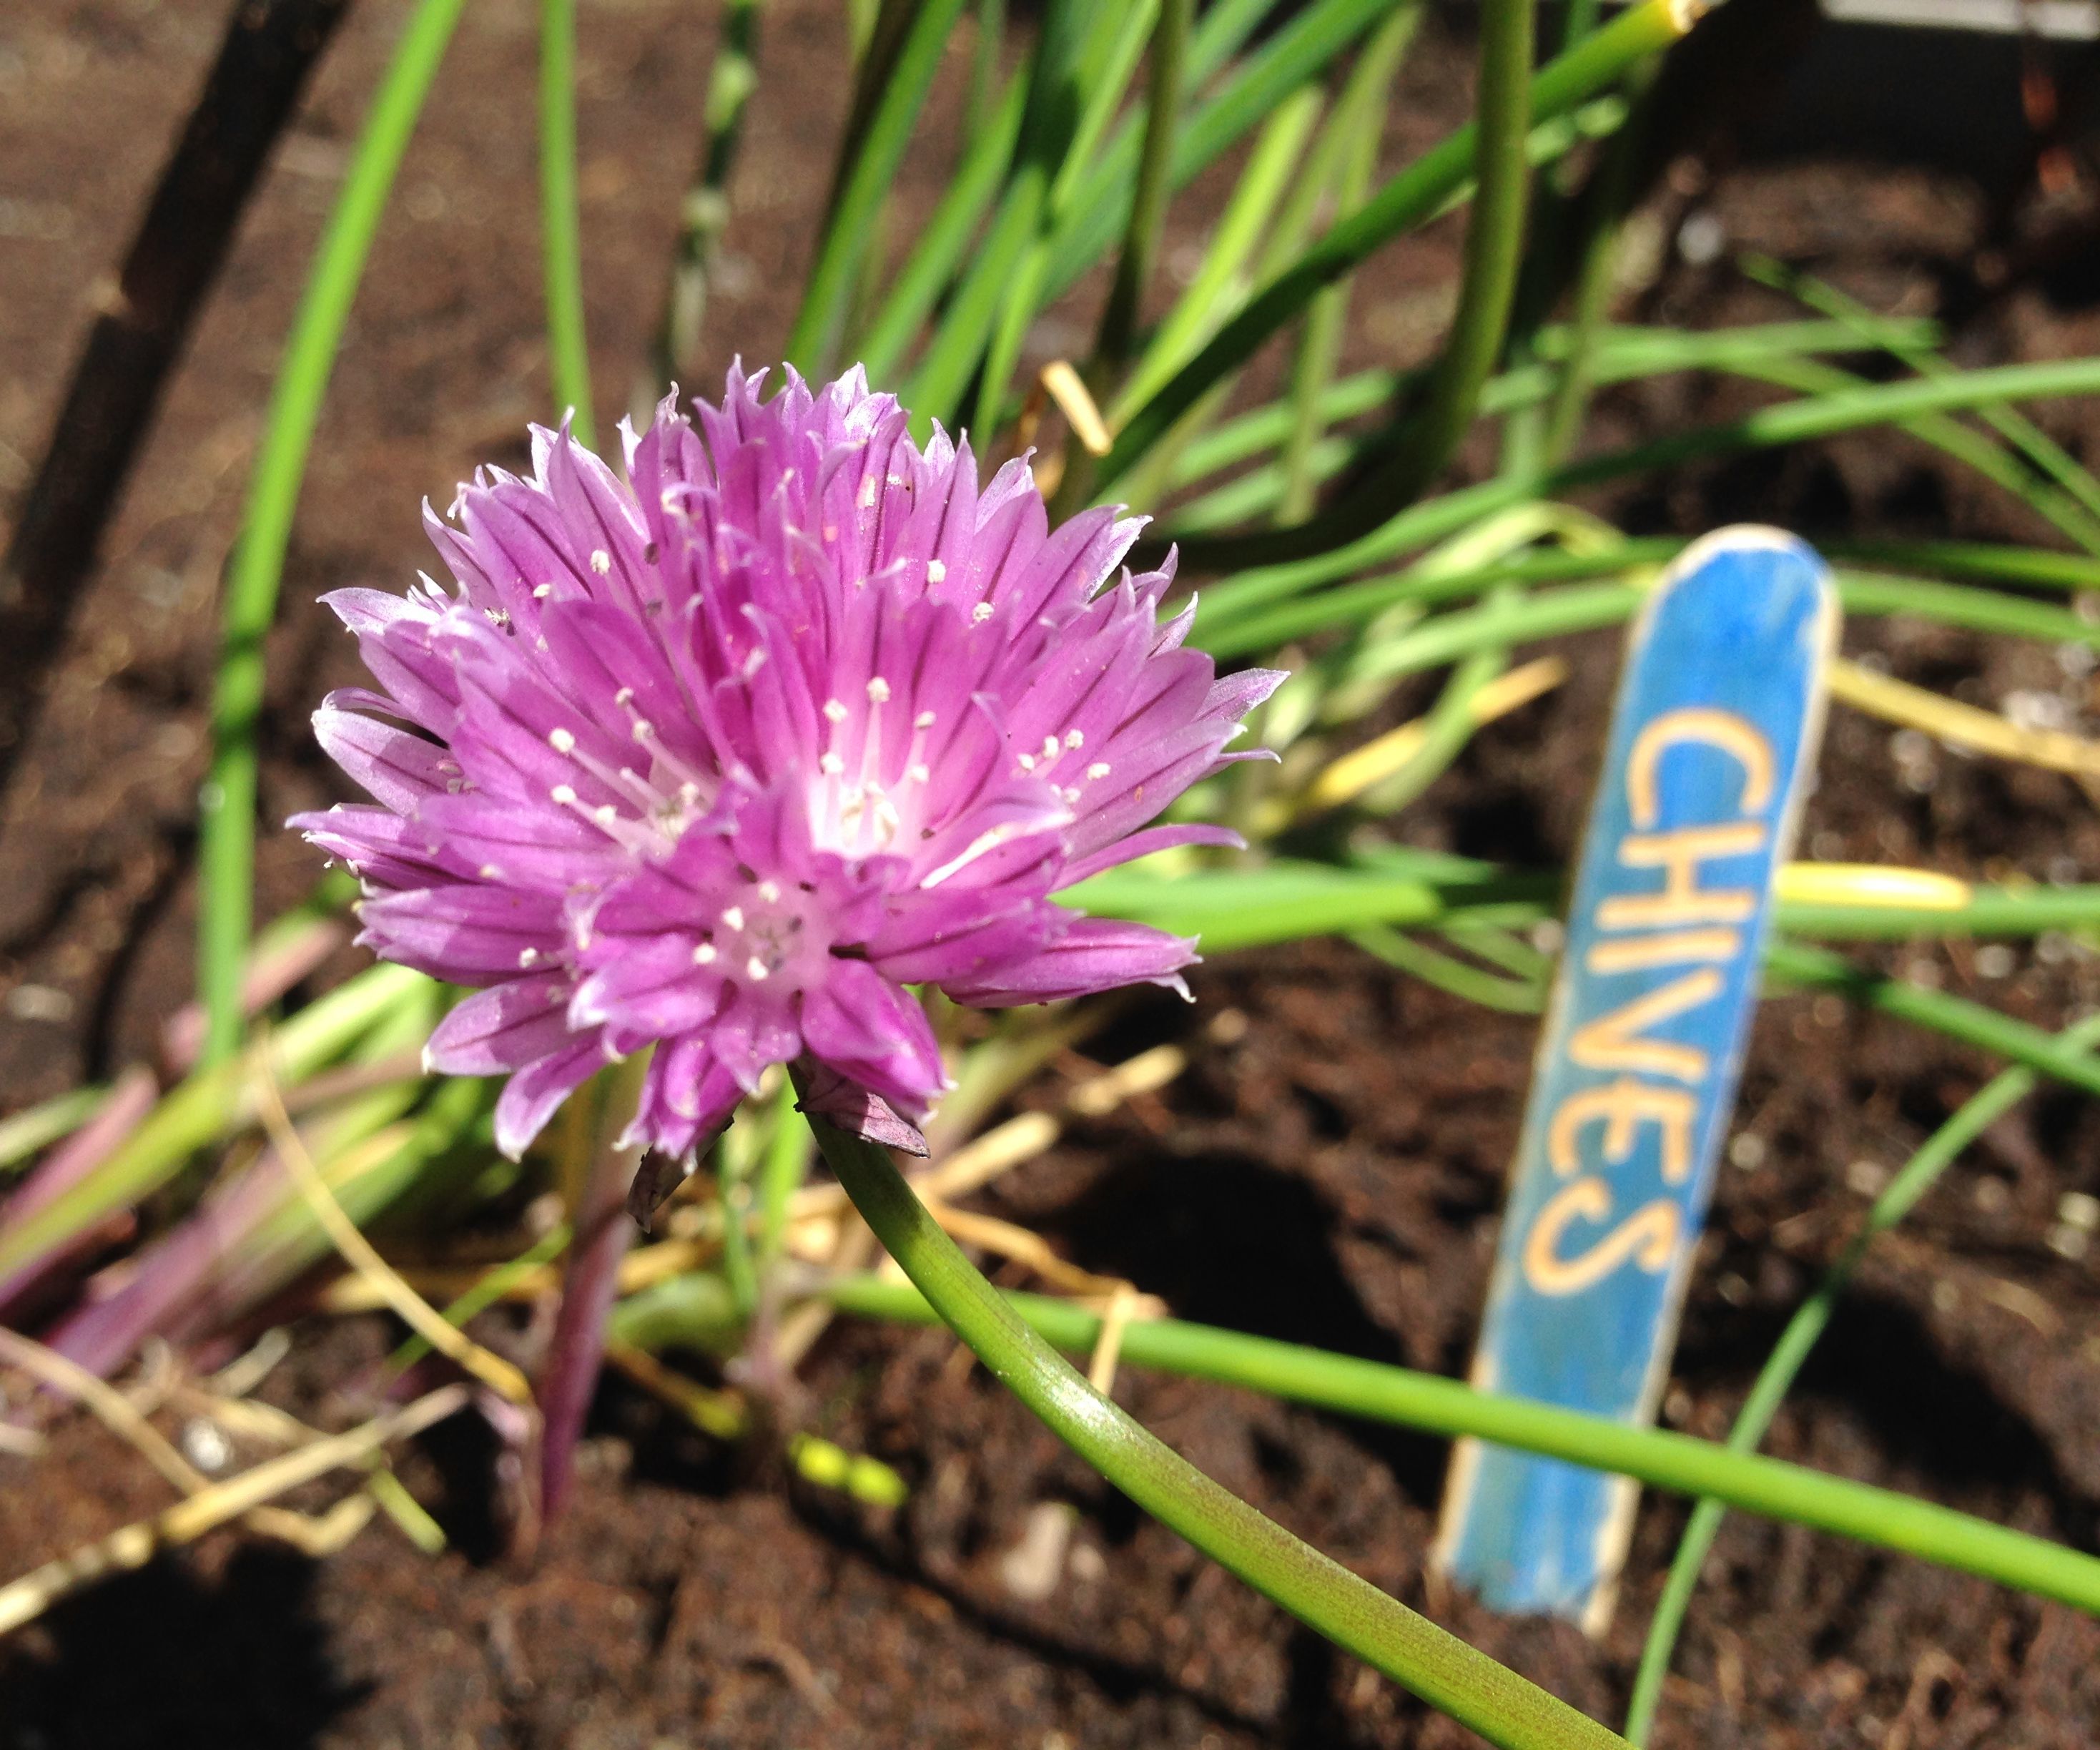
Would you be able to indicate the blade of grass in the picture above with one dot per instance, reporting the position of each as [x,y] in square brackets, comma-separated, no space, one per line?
[1115,337]
[1219,33]
[1148,212]
[2049,458]
[1360,116]
[984,68]
[1418,960]
[932,261]
[1292,54]
[1494,252]
[1953,1017]
[76,1162]
[1787,422]
[1791,1494]
[226,803]
[1101,69]
[1270,167]
[1978,450]
[952,357]
[1405,200]
[493,1287]
[1783,1365]
[867,172]
[27,1132]
[704,210]
[561,235]
[1623,354]
[210,1102]
[499,1374]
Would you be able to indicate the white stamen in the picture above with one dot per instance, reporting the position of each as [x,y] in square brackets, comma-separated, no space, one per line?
[919,775]
[606,814]
[832,764]
[936,571]
[600,561]
[1028,762]
[769,892]
[924,720]
[624,696]
[541,592]
[867,493]
[878,691]
[643,729]
[563,795]
[490,872]
[1049,747]
[1074,738]
[733,916]
[527,956]
[704,954]
[757,968]
[561,741]
[835,711]
[1098,770]
[982,612]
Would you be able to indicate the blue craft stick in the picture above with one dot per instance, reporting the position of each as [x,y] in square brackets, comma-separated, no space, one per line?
[1713,737]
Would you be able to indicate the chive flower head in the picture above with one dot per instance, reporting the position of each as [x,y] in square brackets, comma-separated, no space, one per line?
[726,757]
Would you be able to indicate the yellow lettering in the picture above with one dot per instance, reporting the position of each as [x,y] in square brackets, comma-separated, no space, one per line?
[1623,1107]
[1614,1042]
[1682,900]
[1698,724]
[1647,1238]
[1679,947]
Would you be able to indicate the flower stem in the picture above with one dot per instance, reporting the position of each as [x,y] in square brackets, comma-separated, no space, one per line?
[1496,1703]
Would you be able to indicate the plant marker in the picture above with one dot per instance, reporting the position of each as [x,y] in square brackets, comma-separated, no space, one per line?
[1713,737]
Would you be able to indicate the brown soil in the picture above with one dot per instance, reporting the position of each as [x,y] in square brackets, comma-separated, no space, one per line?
[1332,1177]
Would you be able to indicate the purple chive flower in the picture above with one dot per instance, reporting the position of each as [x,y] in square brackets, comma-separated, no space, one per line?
[724,758]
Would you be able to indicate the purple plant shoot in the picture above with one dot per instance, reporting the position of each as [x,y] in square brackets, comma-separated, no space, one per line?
[724,758]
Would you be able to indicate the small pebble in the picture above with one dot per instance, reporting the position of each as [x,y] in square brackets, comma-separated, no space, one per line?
[2071,1242]
[39,1002]
[2029,710]
[2079,1209]
[1031,1569]
[1746,1151]
[1701,239]
[205,1445]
